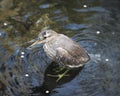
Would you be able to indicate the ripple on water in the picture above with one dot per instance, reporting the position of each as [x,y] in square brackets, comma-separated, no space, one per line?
[2,34]
[20,74]
[74,26]
[91,9]
[97,28]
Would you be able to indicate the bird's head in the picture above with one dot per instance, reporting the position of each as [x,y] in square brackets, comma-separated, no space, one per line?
[44,37]
[46,34]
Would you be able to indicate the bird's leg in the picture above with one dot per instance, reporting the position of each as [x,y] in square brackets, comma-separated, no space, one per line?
[60,76]
[59,69]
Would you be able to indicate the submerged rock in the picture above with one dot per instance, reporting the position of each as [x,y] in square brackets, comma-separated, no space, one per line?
[22,72]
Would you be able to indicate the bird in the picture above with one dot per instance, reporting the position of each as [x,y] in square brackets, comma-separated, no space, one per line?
[62,49]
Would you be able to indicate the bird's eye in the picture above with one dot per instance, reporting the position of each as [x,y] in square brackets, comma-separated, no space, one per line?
[44,33]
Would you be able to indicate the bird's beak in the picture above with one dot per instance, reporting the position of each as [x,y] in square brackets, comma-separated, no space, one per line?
[36,42]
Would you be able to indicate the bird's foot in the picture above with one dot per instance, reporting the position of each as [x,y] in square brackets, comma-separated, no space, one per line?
[60,76]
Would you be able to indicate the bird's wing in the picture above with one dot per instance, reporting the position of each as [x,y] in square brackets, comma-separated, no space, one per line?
[79,53]
[67,59]
[72,48]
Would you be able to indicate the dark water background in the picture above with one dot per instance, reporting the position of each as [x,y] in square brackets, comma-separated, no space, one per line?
[95,24]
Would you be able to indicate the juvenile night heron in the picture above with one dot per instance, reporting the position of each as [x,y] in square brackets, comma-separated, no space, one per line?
[62,49]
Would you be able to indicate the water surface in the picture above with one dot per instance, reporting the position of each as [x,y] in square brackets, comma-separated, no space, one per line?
[95,24]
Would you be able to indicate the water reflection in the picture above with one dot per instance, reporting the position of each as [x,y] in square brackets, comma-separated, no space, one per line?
[93,24]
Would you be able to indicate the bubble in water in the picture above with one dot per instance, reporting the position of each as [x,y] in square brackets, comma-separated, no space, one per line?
[106,59]
[22,56]
[98,32]
[26,75]
[84,6]
[47,91]
[22,53]
[5,24]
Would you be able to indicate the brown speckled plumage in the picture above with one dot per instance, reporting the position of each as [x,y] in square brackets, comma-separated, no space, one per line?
[62,49]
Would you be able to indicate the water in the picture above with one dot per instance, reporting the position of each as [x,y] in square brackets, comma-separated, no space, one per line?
[95,24]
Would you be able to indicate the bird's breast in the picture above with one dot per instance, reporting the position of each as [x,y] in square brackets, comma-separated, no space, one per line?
[49,50]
